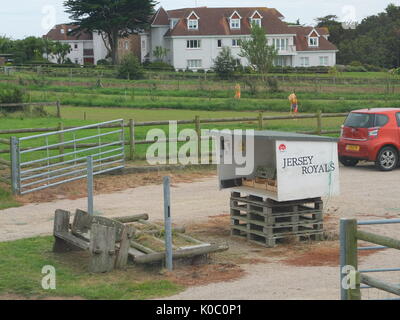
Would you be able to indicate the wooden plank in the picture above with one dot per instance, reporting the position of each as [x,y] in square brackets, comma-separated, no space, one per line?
[82,222]
[61,225]
[133,218]
[72,240]
[122,256]
[102,248]
[378,239]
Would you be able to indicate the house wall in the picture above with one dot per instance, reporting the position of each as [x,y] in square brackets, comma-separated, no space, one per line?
[314,58]
[158,39]
[99,48]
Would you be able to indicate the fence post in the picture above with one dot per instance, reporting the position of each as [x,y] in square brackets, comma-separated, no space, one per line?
[348,258]
[198,132]
[90,184]
[319,122]
[61,140]
[58,105]
[260,121]
[131,139]
[167,226]
[14,158]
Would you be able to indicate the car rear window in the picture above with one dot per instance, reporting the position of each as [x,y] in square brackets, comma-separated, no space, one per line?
[360,120]
[366,120]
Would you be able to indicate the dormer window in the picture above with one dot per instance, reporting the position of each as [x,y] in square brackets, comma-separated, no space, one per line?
[193,24]
[313,41]
[313,38]
[235,20]
[256,18]
[173,23]
[193,21]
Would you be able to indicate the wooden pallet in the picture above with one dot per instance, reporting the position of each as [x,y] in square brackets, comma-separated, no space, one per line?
[276,221]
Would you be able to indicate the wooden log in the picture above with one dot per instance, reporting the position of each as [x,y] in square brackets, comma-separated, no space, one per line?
[140,247]
[122,256]
[160,228]
[182,253]
[134,218]
[102,248]
[378,239]
[379,284]
[5,141]
[5,162]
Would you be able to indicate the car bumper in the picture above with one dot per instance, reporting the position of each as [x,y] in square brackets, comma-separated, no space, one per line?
[364,151]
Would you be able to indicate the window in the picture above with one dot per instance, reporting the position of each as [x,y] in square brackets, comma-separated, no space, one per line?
[256,21]
[193,44]
[313,41]
[305,61]
[280,61]
[173,23]
[281,44]
[144,45]
[323,61]
[398,118]
[235,23]
[193,24]
[381,120]
[76,61]
[235,42]
[360,120]
[126,45]
[76,46]
[62,31]
[219,43]
[194,64]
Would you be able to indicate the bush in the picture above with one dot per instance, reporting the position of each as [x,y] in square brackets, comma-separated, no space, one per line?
[103,62]
[159,65]
[272,84]
[130,68]
[225,64]
[11,95]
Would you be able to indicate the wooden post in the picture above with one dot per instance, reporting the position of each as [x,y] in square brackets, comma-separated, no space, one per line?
[198,132]
[58,105]
[102,248]
[122,257]
[61,140]
[61,224]
[132,145]
[350,255]
[319,122]
[260,121]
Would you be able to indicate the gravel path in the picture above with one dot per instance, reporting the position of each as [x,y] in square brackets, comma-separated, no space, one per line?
[365,194]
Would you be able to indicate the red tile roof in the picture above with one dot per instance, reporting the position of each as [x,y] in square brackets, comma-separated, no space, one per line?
[55,33]
[160,18]
[215,21]
[301,39]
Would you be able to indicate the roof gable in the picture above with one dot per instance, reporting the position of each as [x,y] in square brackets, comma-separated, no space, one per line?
[235,15]
[256,15]
[193,16]
[161,18]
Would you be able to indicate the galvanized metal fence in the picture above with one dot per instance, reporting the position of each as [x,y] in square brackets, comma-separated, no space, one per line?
[53,158]
[353,280]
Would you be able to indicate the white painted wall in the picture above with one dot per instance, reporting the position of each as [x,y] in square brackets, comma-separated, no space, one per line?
[99,48]
[314,58]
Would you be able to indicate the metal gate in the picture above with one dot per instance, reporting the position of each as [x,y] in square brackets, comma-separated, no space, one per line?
[353,280]
[50,159]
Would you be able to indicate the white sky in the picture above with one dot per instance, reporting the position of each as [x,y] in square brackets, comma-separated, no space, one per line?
[20,18]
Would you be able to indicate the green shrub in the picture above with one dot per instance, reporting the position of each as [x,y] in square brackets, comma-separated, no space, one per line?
[11,95]
[103,62]
[159,65]
[130,68]
[225,64]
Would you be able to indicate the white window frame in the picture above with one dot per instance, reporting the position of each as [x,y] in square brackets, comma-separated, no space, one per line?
[303,60]
[62,31]
[257,21]
[173,23]
[235,23]
[194,63]
[324,61]
[190,44]
[193,24]
[235,43]
[316,39]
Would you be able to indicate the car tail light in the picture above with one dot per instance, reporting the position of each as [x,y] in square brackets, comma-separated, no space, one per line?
[373,133]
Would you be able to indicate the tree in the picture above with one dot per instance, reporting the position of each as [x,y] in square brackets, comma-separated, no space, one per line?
[224,64]
[257,51]
[160,53]
[112,18]
[130,68]
[60,51]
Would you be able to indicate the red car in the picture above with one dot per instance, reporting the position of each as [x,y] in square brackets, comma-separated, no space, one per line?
[372,135]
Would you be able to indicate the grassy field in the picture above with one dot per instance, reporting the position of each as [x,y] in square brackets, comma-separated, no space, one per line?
[72,277]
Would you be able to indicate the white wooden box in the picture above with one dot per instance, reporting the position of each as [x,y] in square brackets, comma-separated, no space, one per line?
[307,166]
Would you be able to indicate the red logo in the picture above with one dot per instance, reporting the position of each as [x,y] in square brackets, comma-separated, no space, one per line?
[282,148]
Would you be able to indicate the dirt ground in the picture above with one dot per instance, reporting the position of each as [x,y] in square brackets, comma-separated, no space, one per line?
[307,270]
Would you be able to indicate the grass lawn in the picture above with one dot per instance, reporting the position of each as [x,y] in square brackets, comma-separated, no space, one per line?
[6,199]
[21,264]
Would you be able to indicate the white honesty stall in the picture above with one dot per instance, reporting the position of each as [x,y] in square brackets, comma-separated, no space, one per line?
[278,165]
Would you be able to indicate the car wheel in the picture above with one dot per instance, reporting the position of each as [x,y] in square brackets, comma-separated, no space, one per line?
[388,159]
[348,162]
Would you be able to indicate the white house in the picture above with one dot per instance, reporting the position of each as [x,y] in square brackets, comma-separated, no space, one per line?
[195,36]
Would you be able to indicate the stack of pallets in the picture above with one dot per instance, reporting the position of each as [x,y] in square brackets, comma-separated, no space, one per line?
[267,221]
